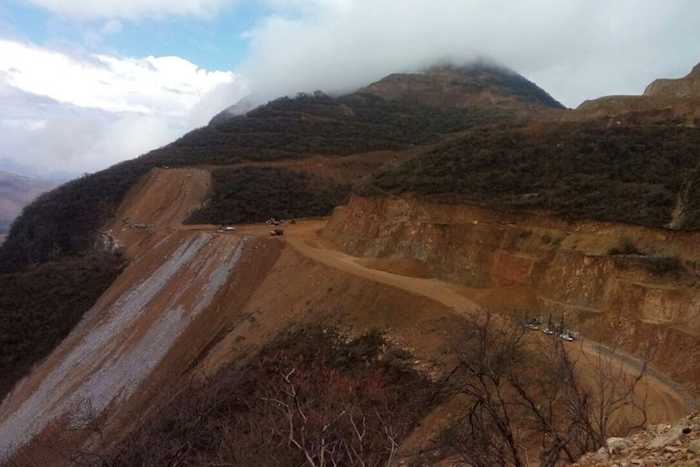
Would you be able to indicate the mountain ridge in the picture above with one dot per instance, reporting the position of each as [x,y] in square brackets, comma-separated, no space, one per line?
[463,86]
[663,102]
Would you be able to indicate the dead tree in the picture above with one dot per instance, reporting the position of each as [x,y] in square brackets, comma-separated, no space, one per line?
[527,396]
[329,436]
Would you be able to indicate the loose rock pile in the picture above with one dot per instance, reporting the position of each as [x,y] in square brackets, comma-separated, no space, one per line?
[660,445]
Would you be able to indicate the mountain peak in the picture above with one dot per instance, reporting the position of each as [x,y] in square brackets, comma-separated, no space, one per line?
[475,84]
[688,86]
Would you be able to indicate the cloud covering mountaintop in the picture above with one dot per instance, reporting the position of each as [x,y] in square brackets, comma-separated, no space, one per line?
[116,107]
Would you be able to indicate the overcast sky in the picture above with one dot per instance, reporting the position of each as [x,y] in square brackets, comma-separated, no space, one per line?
[87,83]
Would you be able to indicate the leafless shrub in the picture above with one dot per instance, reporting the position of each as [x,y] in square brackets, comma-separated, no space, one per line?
[530,397]
[311,398]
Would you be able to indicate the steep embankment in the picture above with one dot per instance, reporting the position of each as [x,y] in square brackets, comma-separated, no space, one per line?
[536,265]
[149,327]
[156,205]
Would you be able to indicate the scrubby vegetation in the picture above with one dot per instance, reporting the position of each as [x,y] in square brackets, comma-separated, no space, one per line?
[661,265]
[521,405]
[655,264]
[311,398]
[314,397]
[41,305]
[658,265]
[319,124]
[255,194]
[63,222]
[630,175]
[469,81]
[625,246]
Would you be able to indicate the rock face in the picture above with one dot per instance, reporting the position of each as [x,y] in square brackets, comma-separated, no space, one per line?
[657,445]
[472,85]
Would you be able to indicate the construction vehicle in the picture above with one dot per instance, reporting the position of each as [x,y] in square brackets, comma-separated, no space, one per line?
[549,330]
[532,324]
[567,336]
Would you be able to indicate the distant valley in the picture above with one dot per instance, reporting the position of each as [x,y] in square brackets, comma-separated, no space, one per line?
[16,191]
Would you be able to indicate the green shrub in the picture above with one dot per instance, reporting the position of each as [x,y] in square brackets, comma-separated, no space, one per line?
[625,247]
[310,386]
[662,265]
[255,194]
[578,171]
[40,306]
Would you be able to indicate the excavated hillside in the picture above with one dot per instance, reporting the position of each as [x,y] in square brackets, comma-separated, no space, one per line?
[455,196]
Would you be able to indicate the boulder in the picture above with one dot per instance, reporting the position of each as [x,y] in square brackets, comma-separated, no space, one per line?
[617,445]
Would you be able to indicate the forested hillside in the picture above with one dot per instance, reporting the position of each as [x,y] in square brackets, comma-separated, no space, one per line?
[635,175]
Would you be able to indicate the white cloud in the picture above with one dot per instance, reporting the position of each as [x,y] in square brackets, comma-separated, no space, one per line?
[73,114]
[576,49]
[112,26]
[167,85]
[130,9]
[98,109]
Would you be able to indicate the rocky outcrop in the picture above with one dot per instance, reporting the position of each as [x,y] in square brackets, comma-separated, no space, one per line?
[657,445]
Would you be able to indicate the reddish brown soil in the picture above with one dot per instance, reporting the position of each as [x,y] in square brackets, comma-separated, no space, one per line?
[401,266]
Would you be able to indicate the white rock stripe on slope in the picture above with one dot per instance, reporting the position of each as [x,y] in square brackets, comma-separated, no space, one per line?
[106,365]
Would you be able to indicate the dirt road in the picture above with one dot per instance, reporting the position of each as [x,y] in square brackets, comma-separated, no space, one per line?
[666,403]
